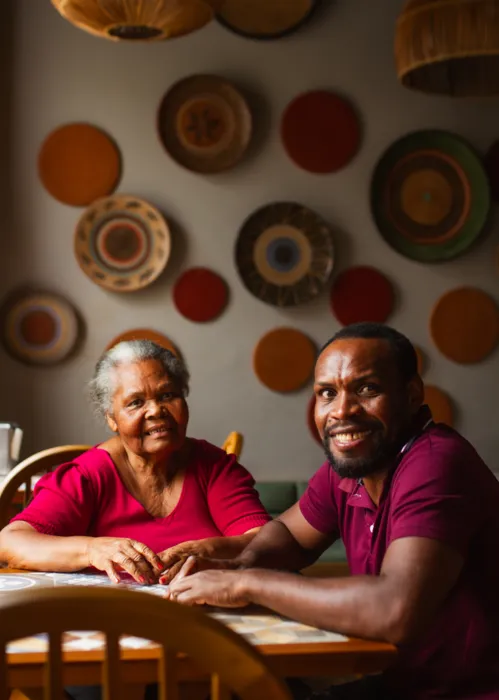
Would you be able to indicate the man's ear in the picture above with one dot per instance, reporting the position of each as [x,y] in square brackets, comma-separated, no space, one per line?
[111,423]
[415,389]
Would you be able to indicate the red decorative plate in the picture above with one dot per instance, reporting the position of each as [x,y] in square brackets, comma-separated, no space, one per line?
[320,131]
[200,294]
[361,294]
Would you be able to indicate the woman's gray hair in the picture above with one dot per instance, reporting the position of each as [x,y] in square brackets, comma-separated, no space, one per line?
[103,385]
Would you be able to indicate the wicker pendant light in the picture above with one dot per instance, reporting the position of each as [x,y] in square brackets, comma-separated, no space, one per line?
[449,47]
[132,20]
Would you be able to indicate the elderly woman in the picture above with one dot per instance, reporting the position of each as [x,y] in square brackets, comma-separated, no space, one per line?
[144,499]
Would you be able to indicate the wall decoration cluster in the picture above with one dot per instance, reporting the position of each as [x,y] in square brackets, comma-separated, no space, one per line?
[430,198]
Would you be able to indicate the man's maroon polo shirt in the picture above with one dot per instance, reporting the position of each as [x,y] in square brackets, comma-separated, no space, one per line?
[442,490]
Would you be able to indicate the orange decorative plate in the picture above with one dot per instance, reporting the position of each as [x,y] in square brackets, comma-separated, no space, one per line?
[430,196]
[205,124]
[144,334]
[122,243]
[464,325]
[39,328]
[285,254]
[320,131]
[440,405]
[78,163]
[265,19]
[284,359]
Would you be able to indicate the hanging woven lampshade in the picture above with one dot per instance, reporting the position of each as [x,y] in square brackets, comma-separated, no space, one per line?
[449,47]
[146,20]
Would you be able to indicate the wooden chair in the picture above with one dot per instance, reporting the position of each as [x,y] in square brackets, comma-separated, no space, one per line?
[233,444]
[230,661]
[23,472]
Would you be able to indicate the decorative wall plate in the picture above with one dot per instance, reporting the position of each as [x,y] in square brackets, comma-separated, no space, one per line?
[39,328]
[430,196]
[284,359]
[285,254]
[122,243]
[464,325]
[320,131]
[440,405]
[421,360]
[144,334]
[78,163]
[200,294]
[265,19]
[205,124]
[361,294]
[311,420]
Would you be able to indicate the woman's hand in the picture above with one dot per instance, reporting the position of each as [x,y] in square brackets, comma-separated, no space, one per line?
[111,554]
[212,548]
[220,588]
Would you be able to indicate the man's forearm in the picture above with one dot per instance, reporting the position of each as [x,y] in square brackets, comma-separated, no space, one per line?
[359,606]
[22,549]
[273,547]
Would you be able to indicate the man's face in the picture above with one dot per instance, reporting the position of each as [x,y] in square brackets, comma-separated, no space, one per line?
[363,407]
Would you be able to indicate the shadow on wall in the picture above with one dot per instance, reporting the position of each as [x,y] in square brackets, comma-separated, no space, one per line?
[16,386]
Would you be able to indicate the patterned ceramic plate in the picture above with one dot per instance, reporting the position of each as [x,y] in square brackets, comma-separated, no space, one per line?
[285,254]
[39,328]
[205,124]
[430,196]
[122,243]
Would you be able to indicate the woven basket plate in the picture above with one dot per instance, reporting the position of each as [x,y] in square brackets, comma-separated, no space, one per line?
[265,19]
[39,328]
[285,254]
[205,124]
[430,196]
[122,243]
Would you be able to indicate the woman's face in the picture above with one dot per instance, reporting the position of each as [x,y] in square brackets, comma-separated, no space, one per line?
[148,412]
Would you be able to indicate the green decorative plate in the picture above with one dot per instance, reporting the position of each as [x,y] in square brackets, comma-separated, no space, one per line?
[430,196]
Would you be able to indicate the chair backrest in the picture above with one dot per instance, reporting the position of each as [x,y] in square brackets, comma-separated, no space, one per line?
[23,472]
[233,664]
[233,444]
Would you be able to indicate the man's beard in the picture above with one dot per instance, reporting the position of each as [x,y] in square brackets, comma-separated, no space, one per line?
[383,453]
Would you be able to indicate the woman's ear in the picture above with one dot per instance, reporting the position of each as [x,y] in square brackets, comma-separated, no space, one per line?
[111,423]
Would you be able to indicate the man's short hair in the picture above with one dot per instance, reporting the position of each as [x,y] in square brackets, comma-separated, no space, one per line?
[401,347]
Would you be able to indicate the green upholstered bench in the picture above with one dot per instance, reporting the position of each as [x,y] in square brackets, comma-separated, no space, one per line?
[278,496]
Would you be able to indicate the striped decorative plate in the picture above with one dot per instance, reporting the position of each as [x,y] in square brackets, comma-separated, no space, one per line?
[122,243]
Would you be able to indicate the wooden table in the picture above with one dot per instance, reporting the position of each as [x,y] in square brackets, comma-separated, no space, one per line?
[292,649]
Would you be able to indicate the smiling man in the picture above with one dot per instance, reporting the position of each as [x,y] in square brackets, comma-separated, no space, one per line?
[418,512]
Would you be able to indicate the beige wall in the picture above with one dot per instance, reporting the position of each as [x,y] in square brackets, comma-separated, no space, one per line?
[61,74]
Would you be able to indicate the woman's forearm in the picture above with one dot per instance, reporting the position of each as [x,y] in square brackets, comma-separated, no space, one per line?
[24,549]
[274,547]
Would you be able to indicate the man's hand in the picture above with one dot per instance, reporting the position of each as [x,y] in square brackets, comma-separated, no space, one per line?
[219,588]
[111,554]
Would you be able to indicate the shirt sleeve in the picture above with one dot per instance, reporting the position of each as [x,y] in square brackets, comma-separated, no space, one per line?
[317,504]
[62,503]
[232,498]
[432,498]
